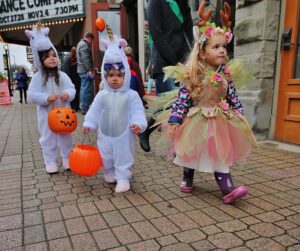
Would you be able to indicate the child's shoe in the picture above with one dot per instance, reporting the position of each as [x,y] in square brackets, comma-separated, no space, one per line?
[237,193]
[186,187]
[51,168]
[66,164]
[122,186]
[109,178]
[187,183]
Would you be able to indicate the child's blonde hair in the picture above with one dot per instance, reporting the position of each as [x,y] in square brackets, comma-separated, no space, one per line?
[195,70]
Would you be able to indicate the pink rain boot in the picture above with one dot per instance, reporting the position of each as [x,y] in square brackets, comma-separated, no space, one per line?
[187,183]
[186,187]
[230,193]
[237,193]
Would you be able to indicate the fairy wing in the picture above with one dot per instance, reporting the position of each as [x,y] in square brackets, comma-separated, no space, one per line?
[240,72]
[176,72]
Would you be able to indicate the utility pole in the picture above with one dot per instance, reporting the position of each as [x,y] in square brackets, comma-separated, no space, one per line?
[6,48]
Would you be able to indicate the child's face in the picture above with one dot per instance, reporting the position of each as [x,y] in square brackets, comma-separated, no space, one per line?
[51,61]
[115,79]
[215,52]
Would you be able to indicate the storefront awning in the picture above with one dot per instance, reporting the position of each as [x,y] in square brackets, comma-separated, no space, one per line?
[57,33]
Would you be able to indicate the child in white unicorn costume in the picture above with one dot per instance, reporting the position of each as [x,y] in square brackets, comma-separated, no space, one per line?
[118,114]
[49,88]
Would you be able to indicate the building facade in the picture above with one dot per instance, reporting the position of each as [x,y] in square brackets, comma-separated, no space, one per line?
[266,34]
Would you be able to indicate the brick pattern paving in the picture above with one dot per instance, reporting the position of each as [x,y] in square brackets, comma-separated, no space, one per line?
[67,212]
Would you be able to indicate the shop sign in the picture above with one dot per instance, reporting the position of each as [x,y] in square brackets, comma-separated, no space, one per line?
[19,12]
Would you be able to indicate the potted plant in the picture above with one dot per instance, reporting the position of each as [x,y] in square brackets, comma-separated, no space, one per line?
[3,90]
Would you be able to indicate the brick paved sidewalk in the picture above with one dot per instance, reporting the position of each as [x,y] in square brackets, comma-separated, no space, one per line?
[67,212]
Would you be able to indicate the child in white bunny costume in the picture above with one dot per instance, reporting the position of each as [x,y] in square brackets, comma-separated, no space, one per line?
[49,88]
[118,114]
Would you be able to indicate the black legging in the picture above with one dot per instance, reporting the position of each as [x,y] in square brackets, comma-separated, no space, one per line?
[23,90]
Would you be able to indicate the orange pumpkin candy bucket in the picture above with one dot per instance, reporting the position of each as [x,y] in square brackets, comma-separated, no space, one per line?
[62,120]
[85,160]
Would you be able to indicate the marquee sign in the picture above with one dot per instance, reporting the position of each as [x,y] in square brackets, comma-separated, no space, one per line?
[19,12]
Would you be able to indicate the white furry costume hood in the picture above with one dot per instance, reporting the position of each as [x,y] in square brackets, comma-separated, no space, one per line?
[39,41]
[114,54]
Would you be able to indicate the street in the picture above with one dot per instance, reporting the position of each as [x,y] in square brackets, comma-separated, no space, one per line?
[67,212]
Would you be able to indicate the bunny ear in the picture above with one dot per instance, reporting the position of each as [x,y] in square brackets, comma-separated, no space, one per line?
[196,33]
[104,42]
[123,43]
[28,33]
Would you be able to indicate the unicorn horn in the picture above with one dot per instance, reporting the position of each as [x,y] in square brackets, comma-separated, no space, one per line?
[39,25]
[110,33]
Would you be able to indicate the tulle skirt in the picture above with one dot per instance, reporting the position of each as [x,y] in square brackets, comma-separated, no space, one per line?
[210,141]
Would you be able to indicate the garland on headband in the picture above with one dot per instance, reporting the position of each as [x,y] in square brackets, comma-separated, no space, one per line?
[205,29]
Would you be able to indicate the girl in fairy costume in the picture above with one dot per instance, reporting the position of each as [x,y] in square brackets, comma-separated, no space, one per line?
[207,128]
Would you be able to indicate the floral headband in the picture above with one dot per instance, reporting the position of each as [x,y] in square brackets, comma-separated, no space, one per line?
[205,29]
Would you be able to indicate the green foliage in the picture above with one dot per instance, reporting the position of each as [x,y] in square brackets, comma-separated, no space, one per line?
[2,77]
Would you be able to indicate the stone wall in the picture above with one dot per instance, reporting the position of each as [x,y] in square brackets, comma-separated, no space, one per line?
[256,38]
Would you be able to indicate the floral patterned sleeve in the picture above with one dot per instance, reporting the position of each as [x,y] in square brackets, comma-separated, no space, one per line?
[233,99]
[180,106]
